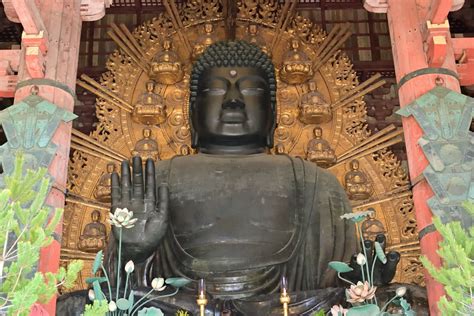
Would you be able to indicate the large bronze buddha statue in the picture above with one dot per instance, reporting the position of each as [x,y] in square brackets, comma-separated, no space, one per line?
[232,214]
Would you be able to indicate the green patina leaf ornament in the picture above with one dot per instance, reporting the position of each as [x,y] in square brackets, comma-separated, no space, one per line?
[97,291]
[98,279]
[123,304]
[340,267]
[357,217]
[97,262]
[380,253]
[150,311]
[177,282]
[364,310]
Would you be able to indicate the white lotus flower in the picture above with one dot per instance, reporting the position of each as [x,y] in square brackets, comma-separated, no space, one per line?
[360,292]
[122,218]
[361,260]
[129,267]
[401,291]
[91,295]
[112,306]
[158,284]
[338,310]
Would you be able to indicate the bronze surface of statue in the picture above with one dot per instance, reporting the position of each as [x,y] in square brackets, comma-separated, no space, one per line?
[313,108]
[319,150]
[94,235]
[233,214]
[150,108]
[358,186]
[102,192]
[146,147]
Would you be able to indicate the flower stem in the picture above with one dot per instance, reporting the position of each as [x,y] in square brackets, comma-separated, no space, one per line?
[152,299]
[386,304]
[126,286]
[365,254]
[108,281]
[144,296]
[346,280]
[118,263]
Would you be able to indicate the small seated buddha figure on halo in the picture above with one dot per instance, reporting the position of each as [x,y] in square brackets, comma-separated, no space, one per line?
[313,107]
[103,189]
[150,108]
[320,151]
[166,67]
[94,235]
[297,68]
[255,38]
[203,41]
[146,147]
[372,227]
[357,185]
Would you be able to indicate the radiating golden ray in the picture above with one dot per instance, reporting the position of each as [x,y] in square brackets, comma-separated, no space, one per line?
[331,45]
[368,140]
[132,40]
[80,141]
[375,142]
[381,199]
[174,15]
[80,200]
[105,94]
[67,253]
[285,17]
[356,96]
[121,40]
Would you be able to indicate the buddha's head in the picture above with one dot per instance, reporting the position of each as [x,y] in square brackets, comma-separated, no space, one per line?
[355,164]
[146,133]
[233,99]
[208,28]
[110,167]
[95,216]
[150,86]
[318,132]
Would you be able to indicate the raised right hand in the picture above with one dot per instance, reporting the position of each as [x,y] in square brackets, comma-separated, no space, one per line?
[140,197]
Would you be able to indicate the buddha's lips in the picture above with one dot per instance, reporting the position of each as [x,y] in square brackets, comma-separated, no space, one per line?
[233,116]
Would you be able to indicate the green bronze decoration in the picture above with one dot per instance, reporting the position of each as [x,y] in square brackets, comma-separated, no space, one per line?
[29,126]
[445,117]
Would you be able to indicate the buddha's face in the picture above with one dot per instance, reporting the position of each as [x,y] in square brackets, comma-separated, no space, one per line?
[95,216]
[233,107]
[146,133]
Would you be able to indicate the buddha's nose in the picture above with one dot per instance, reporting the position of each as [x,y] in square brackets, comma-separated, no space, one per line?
[234,104]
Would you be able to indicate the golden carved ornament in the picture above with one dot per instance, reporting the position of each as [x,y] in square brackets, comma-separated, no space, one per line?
[277,25]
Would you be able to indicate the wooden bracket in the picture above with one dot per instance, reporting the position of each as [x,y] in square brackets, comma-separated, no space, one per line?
[9,63]
[376,6]
[439,9]
[464,54]
[93,10]
[436,39]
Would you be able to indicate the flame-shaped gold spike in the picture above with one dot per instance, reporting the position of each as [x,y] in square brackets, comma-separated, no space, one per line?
[389,196]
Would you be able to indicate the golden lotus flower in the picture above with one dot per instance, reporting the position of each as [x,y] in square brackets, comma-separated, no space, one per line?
[360,292]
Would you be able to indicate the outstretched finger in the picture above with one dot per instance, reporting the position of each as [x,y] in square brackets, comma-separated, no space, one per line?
[126,183]
[390,267]
[115,191]
[382,240]
[163,196]
[137,178]
[369,247]
[150,181]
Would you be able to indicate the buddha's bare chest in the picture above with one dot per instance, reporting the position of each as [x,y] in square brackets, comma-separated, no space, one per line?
[220,208]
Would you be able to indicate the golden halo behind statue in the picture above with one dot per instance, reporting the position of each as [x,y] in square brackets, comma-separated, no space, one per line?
[321,114]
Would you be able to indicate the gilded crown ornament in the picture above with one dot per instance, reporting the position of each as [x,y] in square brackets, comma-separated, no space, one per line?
[166,67]
[297,68]
[314,109]
[150,108]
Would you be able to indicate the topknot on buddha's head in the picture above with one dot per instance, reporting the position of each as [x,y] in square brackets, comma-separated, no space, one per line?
[233,54]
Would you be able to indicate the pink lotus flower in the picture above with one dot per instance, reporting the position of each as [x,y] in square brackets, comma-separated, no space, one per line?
[338,310]
[360,292]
